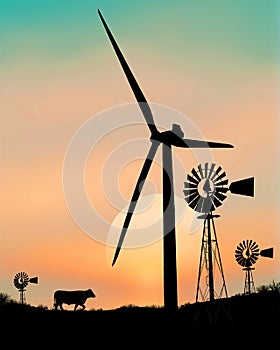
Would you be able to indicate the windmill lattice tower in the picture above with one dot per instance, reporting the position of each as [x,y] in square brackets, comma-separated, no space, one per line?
[21,281]
[205,189]
[246,254]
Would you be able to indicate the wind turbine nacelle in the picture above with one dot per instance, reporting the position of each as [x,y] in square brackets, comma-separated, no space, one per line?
[268,253]
[244,187]
[33,280]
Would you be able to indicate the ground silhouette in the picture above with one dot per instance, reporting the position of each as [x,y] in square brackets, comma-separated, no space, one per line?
[248,320]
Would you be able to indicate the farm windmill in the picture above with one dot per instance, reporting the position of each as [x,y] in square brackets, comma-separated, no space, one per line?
[21,281]
[205,189]
[167,139]
[246,254]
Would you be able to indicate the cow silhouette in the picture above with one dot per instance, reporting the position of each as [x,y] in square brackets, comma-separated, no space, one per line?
[77,297]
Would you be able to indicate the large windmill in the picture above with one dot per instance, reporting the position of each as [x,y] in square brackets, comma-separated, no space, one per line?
[166,139]
[205,189]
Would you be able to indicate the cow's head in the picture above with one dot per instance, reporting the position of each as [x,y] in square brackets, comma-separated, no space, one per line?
[90,293]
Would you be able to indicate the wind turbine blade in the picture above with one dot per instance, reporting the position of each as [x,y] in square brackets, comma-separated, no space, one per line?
[139,185]
[205,144]
[142,102]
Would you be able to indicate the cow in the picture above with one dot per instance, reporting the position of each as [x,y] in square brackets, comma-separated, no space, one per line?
[77,297]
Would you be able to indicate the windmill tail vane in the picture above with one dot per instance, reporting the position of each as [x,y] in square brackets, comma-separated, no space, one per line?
[267,253]
[244,187]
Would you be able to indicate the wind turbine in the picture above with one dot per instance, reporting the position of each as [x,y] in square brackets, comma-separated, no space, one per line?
[167,139]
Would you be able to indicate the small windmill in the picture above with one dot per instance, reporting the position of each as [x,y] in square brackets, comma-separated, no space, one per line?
[246,254]
[167,139]
[21,281]
[205,189]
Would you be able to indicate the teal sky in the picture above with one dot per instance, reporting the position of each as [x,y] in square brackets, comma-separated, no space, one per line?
[55,29]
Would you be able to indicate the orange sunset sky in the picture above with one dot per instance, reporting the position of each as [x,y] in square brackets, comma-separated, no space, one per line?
[73,141]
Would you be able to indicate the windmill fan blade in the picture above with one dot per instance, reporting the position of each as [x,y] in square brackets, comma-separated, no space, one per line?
[253,259]
[192,179]
[255,250]
[216,173]
[194,202]
[211,170]
[220,196]
[220,177]
[221,189]
[190,185]
[244,187]
[206,169]
[268,253]
[200,171]
[142,102]
[222,183]
[253,245]
[196,175]
[192,196]
[189,191]
[136,194]
[216,202]
[239,250]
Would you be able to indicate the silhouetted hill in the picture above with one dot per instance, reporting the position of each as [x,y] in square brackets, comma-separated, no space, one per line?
[252,319]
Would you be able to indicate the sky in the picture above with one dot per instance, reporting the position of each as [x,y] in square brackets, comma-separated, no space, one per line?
[73,141]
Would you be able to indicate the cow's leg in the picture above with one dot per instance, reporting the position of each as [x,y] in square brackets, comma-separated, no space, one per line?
[83,307]
[61,308]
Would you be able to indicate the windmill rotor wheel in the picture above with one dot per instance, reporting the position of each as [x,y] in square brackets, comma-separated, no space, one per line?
[21,280]
[247,253]
[205,188]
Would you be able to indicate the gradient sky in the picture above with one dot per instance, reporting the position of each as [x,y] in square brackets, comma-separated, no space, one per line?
[212,66]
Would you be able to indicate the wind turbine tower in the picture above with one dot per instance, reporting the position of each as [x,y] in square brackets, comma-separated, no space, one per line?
[167,140]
